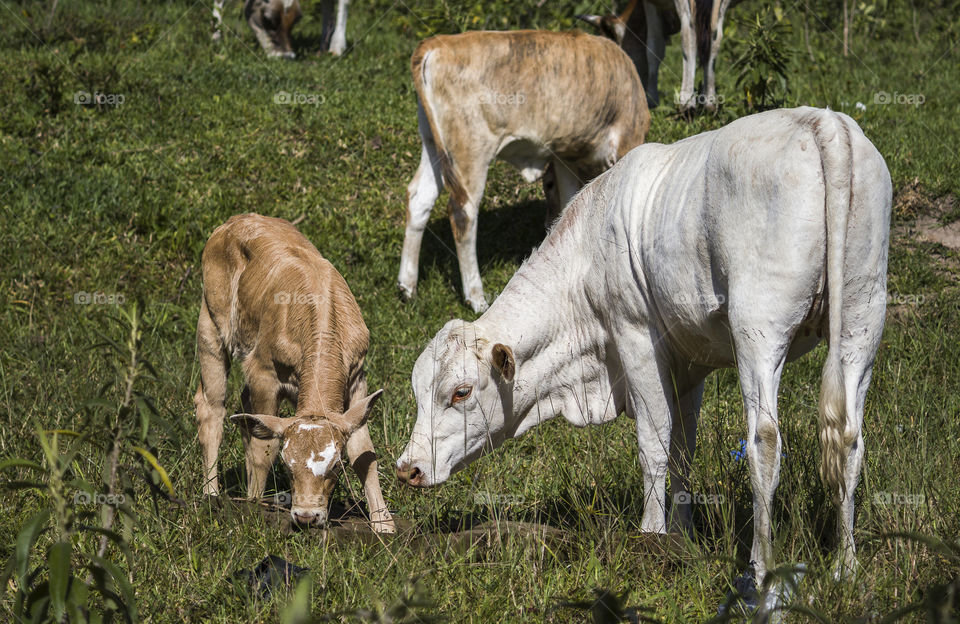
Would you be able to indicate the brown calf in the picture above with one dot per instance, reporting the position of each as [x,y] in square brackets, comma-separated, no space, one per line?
[271,301]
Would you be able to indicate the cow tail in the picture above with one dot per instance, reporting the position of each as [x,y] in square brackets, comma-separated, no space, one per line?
[836,433]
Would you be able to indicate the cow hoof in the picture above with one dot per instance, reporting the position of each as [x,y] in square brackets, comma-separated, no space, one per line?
[406,292]
[282,55]
[478,305]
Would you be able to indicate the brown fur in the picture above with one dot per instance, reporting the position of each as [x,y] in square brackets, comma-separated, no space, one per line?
[271,301]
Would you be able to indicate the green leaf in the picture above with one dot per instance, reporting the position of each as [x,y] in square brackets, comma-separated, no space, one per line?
[20,463]
[58,561]
[297,611]
[119,579]
[147,455]
[28,535]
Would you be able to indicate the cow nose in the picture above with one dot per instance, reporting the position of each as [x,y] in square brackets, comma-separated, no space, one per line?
[409,475]
[306,519]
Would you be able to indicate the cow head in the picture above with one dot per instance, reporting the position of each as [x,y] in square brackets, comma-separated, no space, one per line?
[463,386]
[311,449]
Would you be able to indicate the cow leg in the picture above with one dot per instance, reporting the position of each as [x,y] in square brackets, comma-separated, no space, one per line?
[566,184]
[464,207]
[858,349]
[422,193]
[338,42]
[271,23]
[217,19]
[683,442]
[760,365]
[211,396]
[260,396]
[656,46]
[651,404]
[688,41]
[363,459]
[716,33]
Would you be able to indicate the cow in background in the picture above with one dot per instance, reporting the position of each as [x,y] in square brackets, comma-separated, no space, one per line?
[272,21]
[558,106]
[642,31]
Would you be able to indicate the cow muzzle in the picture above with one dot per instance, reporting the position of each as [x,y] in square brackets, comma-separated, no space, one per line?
[306,518]
[411,475]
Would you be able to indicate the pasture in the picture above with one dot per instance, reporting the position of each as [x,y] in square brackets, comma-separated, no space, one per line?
[127,136]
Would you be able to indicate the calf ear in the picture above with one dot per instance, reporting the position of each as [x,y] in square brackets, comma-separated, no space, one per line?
[357,415]
[504,362]
[261,426]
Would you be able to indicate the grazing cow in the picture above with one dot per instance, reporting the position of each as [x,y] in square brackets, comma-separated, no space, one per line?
[531,98]
[274,303]
[272,21]
[737,247]
[643,35]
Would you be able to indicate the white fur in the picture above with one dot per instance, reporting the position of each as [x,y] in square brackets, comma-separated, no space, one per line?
[679,260]
[320,466]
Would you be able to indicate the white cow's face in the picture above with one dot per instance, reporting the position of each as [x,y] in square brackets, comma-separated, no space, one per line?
[461,382]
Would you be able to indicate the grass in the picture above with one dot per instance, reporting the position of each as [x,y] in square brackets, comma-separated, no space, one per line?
[120,199]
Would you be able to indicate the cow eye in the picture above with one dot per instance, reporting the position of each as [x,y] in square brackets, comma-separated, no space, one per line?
[462,393]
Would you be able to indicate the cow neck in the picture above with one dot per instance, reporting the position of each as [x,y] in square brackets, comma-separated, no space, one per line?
[558,344]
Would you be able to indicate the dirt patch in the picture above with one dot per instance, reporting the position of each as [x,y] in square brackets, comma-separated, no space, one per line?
[914,200]
[929,229]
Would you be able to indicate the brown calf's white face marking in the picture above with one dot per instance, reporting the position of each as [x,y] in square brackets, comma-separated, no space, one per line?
[311,450]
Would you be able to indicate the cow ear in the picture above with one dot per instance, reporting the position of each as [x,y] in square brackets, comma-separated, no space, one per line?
[503,361]
[358,414]
[262,426]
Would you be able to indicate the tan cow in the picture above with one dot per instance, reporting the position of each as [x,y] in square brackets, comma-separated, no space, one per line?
[566,103]
[271,301]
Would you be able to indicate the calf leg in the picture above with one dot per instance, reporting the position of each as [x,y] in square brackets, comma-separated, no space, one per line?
[259,397]
[211,396]
[464,207]
[422,193]
[569,183]
[364,461]
[338,43]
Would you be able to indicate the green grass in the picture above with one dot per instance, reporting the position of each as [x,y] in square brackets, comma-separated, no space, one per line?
[121,199]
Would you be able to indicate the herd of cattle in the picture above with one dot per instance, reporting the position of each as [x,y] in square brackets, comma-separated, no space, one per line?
[740,247]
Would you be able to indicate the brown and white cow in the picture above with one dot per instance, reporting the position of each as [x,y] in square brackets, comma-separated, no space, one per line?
[643,30]
[272,21]
[567,104]
[272,302]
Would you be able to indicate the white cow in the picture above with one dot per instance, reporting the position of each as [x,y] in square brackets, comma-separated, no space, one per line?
[737,247]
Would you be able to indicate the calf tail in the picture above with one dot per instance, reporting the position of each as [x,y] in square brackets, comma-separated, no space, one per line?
[836,431]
